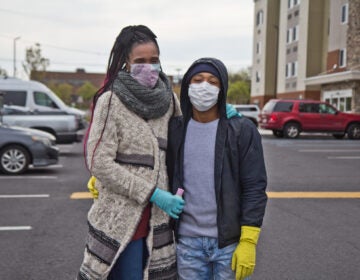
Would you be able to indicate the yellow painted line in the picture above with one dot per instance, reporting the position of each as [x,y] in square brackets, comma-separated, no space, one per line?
[81,195]
[87,195]
[313,194]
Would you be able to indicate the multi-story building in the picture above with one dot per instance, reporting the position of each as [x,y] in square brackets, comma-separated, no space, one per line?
[307,50]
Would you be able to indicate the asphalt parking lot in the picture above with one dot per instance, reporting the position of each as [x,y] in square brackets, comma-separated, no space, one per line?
[311,228]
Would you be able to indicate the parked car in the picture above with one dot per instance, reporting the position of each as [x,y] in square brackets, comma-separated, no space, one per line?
[288,118]
[20,147]
[65,127]
[32,104]
[250,111]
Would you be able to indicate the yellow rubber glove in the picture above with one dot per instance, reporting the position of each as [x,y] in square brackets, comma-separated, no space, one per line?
[91,187]
[243,259]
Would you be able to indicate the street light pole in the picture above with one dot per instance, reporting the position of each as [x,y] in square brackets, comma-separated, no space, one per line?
[15,39]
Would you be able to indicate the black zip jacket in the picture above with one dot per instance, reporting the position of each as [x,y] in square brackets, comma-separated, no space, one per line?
[240,175]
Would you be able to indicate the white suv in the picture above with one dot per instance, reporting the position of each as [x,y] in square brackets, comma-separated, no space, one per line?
[251,111]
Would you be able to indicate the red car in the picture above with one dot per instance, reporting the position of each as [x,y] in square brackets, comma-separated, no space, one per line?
[288,118]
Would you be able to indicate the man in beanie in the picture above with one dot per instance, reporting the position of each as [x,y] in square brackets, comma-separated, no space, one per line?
[220,165]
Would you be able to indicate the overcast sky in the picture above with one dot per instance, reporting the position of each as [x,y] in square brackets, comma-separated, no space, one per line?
[80,33]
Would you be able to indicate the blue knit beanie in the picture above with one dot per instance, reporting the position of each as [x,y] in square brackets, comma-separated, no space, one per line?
[204,67]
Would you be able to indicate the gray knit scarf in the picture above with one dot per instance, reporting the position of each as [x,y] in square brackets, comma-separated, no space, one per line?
[146,102]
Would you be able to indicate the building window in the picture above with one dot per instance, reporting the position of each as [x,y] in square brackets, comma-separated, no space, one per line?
[295,33]
[292,3]
[291,69]
[289,35]
[348,104]
[288,70]
[294,70]
[258,48]
[257,77]
[342,58]
[292,34]
[344,13]
[259,18]
[340,99]
[296,13]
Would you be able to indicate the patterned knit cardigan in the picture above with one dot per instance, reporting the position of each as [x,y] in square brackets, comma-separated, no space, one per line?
[128,162]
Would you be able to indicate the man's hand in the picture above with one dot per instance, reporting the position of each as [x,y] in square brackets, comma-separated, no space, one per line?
[243,259]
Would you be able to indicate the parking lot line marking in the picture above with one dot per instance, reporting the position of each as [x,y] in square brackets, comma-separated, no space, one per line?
[54,166]
[27,177]
[81,195]
[345,157]
[24,196]
[327,151]
[313,194]
[16,228]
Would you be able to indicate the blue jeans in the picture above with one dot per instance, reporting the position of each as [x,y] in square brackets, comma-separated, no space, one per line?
[131,262]
[200,258]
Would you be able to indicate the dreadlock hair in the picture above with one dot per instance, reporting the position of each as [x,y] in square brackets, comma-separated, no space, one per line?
[125,41]
[129,37]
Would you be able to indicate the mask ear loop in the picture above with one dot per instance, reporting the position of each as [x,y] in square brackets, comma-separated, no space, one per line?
[125,68]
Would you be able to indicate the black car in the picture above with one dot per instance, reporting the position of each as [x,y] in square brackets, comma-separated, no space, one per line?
[20,147]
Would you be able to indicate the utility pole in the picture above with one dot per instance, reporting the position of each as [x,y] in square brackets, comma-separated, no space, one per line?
[15,39]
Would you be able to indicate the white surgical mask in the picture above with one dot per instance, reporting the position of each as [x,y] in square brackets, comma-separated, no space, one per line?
[203,96]
[145,73]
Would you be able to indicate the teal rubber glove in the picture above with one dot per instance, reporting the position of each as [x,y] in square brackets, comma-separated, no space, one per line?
[231,111]
[171,204]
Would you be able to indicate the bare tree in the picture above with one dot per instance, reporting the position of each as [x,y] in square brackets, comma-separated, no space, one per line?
[34,61]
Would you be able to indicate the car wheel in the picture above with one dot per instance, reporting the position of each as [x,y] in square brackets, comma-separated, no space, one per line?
[14,159]
[353,131]
[278,133]
[339,136]
[291,130]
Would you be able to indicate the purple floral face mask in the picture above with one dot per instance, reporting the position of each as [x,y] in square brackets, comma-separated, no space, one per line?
[146,74]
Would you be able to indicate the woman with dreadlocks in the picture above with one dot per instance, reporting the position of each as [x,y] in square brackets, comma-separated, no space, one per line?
[129,233]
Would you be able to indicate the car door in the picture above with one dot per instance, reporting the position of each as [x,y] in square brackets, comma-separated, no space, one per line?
[309,116]
[331,119]
[44,104]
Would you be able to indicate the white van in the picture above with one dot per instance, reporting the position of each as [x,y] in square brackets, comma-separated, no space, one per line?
[39,101]
[33,95]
